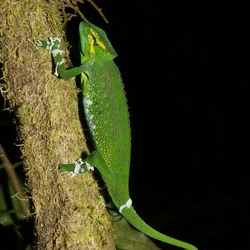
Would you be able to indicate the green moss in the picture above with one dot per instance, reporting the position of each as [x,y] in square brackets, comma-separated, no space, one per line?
[67,211]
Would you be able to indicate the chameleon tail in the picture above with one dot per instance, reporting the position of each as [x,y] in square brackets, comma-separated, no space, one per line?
[135,220]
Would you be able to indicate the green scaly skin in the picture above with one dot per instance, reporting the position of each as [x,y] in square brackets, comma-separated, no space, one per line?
[107,115]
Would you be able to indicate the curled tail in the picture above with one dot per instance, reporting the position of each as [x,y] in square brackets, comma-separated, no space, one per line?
[134,219]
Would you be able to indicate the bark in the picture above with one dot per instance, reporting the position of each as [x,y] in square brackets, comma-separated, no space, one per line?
[67,211]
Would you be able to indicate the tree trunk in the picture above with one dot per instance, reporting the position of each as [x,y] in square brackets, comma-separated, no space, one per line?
[67,211]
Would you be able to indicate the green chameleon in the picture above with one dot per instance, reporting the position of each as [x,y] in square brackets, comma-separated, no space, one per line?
[106,111]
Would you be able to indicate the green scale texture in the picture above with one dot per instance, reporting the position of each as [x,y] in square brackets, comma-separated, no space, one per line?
[106,110]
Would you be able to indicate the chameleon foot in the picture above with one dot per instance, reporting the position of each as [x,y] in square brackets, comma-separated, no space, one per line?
[77,167]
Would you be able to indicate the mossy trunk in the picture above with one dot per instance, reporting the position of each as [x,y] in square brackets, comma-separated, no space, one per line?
[67,211]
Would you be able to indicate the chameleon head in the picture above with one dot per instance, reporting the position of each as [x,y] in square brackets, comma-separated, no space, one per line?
[92,39]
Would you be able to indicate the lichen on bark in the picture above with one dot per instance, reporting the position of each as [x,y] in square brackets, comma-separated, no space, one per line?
[66,210]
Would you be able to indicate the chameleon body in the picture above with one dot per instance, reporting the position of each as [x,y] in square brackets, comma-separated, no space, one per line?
[106,111]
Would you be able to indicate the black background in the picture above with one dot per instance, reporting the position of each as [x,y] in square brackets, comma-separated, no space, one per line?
[186,71]
[185,68]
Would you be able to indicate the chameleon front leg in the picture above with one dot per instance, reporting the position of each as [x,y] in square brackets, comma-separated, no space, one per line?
[53,45]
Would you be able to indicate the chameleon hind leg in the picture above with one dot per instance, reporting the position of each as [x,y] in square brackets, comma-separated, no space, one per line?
[81,166]
[77,167]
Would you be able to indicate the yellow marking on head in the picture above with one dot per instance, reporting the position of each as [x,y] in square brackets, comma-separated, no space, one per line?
[94,39]
[91,44]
